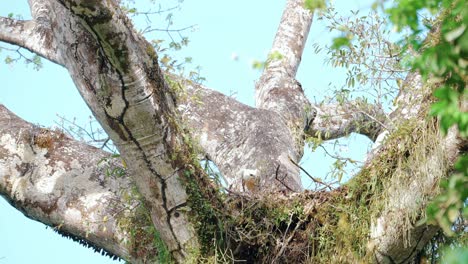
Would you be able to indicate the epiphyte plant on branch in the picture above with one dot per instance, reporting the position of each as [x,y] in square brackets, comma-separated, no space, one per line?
[164,207]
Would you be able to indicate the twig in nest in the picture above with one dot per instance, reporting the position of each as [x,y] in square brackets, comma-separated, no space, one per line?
[311,177]
[282,180]
[288,240]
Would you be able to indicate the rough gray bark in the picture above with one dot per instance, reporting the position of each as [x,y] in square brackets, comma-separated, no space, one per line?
[254,146]
[116,72]
[119,78]
[30,35]
[391,239]
[56,180]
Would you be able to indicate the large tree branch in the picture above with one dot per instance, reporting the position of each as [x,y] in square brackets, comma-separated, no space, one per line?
[30,35]
[330,121]
[277,88]
[251,147]
[424,158]
[395,237]
[117,73]
[274,166]
[248,143]
[289,43]
[63,183]
[245,142]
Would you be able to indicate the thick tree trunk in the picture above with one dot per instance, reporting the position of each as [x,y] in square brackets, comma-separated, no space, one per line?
[117,74]
[46,175]
[421,158]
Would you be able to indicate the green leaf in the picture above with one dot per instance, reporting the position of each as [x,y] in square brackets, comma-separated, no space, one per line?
[37,62]
[258,65]
[462,164]
[276,55]
[438,108]
[452,214]
[446,93]
[454,34]
[340,42]
[455,255]
[315,4]
[8,60]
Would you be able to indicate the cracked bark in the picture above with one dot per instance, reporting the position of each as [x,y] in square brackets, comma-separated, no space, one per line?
[117,74]
[59,183]
[123,86]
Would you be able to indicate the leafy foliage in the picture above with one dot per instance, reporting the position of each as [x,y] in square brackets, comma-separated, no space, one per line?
[315,4]
[438,50]
[365,48]
[274,56]
[443,59]
[110,169]
[19,54]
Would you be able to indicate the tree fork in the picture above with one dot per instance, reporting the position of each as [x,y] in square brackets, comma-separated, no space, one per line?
[117,74]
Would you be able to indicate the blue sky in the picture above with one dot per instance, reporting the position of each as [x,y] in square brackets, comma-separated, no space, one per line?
[245,28]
